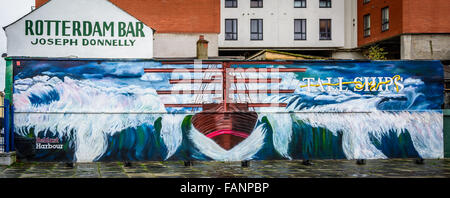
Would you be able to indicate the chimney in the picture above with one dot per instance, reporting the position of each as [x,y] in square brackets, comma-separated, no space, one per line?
[202,48]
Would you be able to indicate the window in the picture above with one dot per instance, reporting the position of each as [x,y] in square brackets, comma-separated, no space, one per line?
[366,1]
[385,19]
[256,29]
[231,29]
[325,29]
[256,3]
[299,29]
[231,3]
[366,25]
[325,4]
[299,3]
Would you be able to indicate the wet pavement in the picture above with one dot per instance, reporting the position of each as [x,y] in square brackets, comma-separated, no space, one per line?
[391,168]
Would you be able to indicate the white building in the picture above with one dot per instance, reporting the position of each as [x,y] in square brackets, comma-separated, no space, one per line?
[305,25]
[57,29]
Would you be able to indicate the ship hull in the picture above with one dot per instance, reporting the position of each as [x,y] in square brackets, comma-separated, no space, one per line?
[227,129]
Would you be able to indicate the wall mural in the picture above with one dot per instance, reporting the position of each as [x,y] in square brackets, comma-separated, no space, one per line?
[139,110]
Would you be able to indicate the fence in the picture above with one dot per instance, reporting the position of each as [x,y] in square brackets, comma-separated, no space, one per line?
[2,129]
[5,134]
[2,134]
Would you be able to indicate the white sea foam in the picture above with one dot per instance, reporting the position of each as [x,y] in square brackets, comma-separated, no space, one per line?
[171,132]
[79,99]
[243,151]
[358,118]
[425,129]
[282,131]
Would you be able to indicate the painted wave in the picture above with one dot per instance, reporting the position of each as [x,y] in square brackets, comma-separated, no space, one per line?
[77,105]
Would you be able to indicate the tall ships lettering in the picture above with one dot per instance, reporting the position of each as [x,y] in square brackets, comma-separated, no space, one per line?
[367,84]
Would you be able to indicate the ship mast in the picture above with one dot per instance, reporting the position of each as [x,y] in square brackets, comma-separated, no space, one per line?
[225,86]
[226,80]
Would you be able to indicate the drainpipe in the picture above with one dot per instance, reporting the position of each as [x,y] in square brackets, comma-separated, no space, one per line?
[9,130]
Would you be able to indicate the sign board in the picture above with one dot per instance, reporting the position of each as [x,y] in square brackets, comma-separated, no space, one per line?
[80,29]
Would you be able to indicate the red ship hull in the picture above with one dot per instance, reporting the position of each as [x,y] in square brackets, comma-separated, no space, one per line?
[227,129]
[227,123]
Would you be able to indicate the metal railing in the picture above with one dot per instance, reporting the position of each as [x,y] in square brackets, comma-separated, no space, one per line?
[6,134]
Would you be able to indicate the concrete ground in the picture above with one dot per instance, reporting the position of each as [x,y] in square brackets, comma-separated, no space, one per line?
[397,168]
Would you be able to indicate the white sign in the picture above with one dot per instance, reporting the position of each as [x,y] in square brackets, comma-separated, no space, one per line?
[81,29]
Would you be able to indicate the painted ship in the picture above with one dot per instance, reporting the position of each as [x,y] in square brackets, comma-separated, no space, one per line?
[228,122]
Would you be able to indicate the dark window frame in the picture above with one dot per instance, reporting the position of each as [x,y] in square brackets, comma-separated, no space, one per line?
[233,32]
[302,2]
[366,1]
[260,4]
[234,4]
[328,32]
[366,26]
[328,4]
[303,32]
[260,35]
[385,21]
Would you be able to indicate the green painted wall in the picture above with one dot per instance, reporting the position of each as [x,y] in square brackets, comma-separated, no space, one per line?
[447,133]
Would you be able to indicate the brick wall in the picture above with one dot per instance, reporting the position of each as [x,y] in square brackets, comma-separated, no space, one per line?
[40,2]
[406,17]
[426,16]
[374,9]
[173,16]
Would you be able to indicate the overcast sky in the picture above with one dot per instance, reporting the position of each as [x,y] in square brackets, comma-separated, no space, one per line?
[10,11]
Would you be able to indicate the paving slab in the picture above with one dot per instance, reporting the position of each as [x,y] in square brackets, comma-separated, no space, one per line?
[389,168]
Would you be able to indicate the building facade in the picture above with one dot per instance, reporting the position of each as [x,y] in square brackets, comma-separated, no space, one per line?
[290,25]
[178,24]
[58,30]
[408,29]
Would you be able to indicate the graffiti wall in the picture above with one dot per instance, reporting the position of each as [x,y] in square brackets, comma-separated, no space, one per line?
[116,110]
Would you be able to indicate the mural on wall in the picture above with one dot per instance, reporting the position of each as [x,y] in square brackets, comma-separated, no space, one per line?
[145,110]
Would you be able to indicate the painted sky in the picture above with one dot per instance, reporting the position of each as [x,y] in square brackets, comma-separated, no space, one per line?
[420,88]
